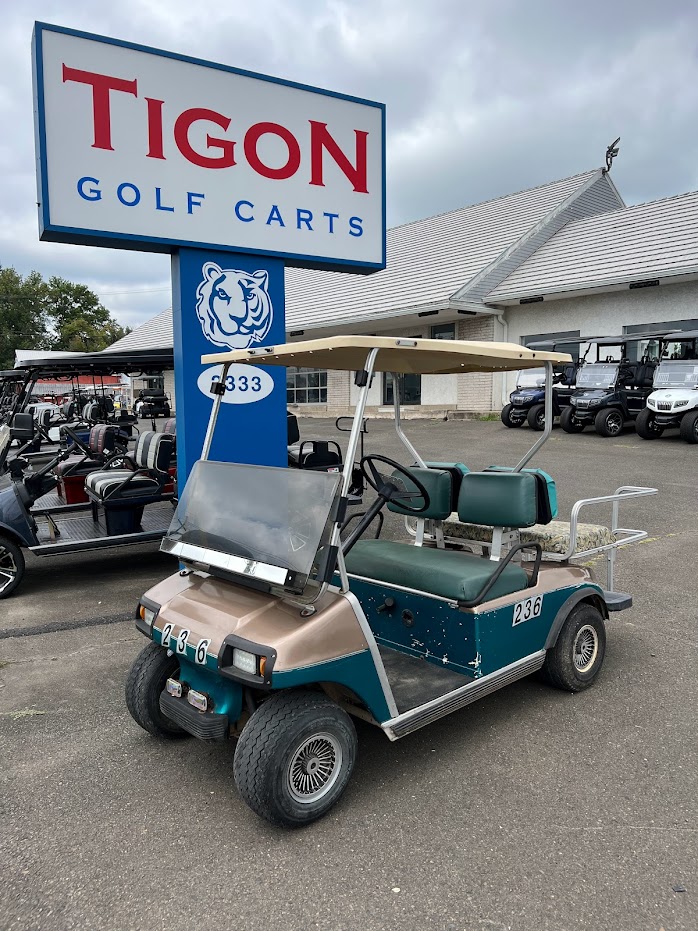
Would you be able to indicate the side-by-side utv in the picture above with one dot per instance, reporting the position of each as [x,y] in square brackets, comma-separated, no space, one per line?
[284,621]
[674,400]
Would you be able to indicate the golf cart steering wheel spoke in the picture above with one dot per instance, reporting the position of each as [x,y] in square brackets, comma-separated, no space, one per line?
[395,488]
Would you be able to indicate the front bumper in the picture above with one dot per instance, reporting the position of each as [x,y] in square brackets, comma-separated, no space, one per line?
[206,725]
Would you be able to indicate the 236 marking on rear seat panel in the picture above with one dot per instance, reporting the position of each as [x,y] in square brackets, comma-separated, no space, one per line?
[525,610]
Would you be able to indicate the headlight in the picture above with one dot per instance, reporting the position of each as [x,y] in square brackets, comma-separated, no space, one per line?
[148,612]
[247,662]
[651,402]
[680,403]
[594,402]
[573,402]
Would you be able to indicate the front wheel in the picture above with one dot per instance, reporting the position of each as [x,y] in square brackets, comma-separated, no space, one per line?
[609,422]
[576,659]
[646,425]
[689,427]
[507,419]
[294,757]
[569,423]
[11,566]
[146,680]
[536,417]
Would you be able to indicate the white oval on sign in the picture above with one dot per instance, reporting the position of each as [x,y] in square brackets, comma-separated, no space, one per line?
[244,384]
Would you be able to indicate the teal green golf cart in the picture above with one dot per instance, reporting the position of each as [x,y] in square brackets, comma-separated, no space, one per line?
[288,619]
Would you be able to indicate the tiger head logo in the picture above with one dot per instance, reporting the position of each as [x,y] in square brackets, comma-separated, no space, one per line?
[234,307]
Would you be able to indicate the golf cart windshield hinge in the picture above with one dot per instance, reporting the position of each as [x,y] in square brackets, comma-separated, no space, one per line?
[341,514]
[218,387]
[361,378]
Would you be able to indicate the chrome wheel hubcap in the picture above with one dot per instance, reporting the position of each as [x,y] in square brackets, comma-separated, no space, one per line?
[585,648]
[314,768]
[8,568]
[614,423]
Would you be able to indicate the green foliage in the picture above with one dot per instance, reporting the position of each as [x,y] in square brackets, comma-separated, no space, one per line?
[54,314]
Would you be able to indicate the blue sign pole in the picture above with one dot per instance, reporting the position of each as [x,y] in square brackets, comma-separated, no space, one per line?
[228,300]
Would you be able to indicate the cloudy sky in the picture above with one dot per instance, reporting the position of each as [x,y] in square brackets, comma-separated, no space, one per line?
[484,97]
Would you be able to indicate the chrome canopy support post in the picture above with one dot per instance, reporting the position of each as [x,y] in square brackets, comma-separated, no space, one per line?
[210,429]
[398,426]
[548,418]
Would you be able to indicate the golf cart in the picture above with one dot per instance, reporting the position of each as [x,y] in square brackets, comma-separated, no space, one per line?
[151,403]
[281,623]
[674,400]
[325,455]
[609,394]
[127,501]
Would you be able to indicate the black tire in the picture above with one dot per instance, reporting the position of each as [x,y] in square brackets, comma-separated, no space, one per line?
[11,566]
[268,766]
[609,422]
[569,422]
[576,659]
[689,427]
[646,425]
[536,417]
[507,418]
[146,679]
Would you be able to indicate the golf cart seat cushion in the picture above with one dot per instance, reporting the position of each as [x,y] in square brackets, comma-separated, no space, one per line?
[103,482]
[170,426]
[499,499]
[447,573]
[438,483]
[457,471]
[553,537]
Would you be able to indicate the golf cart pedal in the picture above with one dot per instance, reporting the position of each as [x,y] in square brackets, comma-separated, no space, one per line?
[617,601]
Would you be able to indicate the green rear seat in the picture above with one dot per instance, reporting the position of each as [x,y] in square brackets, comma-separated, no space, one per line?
[448,573]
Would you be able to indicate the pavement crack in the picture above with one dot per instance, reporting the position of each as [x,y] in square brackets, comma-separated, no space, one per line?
[53,627]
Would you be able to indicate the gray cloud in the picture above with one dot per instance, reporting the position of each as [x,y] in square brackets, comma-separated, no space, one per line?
[483,98]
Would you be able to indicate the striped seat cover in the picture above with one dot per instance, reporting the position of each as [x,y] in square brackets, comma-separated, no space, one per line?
[102,440]
[153,452]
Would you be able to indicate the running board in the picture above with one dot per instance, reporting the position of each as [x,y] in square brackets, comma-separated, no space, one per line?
[98,543]
[425,714]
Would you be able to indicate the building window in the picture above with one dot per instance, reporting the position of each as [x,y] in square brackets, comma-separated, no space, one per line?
[306,386]
[410,388]
[443,331]
[650,348]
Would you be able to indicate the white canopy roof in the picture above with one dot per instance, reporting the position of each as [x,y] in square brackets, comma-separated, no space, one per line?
[418,356]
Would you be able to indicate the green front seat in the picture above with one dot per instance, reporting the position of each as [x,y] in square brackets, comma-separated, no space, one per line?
[499,499]
[449,573]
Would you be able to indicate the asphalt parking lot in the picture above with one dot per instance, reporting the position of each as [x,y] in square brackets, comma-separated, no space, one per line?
[531,809]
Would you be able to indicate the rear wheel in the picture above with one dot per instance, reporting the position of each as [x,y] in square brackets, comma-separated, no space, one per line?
[536,417]
[11,566]
[146,680]
[569,423]
[576,659]
[294,757]
[646,425]
[609,421]
[689,427]
[507,419]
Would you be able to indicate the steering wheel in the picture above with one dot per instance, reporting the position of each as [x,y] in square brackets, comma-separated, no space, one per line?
[392,488]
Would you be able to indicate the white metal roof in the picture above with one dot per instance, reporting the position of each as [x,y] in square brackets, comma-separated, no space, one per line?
[155,333]
[649,241]
[418,356]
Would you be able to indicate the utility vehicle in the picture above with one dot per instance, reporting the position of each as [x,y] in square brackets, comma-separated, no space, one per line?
[127,500]
[674,401]
[283,622]
[610,394]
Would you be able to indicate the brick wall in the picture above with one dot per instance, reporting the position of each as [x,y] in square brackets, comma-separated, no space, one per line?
[475,389]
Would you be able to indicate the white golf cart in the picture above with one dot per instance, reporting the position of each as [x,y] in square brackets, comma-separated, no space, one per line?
[674,401]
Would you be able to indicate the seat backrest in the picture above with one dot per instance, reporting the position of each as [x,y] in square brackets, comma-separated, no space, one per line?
[499,499]
[294,434]
[547,492]
[153,451]
[170,426]
[91,411]
[320,455]
[102,439]
[438,484]
[644,376]
[457,470]
[22,427]
[69,410]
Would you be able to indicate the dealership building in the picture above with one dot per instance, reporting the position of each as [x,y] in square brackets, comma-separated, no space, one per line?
[563,260]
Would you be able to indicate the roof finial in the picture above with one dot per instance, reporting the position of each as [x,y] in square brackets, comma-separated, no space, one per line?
[611,153]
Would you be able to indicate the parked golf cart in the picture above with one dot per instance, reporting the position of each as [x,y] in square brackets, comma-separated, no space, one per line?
[674,401]
[151,403]
[282,623]
[610,394]
[124,505]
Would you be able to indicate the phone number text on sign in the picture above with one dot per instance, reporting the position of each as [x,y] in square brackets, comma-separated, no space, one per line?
[244,384]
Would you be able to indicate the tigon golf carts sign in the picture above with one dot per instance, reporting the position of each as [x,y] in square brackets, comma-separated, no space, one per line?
[144,149]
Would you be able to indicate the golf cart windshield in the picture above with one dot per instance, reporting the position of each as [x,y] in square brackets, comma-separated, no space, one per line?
[269,525]
[676,375]
[598,375]
[530,378]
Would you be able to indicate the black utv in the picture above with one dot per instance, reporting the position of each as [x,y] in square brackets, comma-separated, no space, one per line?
[152,402]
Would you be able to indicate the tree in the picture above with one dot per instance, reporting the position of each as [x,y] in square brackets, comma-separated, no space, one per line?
[23,318]
[58,314]
[79,322]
